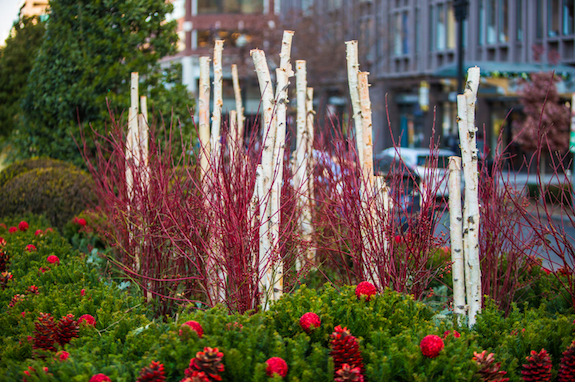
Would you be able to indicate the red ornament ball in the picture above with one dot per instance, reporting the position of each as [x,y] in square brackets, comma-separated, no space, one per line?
[431,346]
[309,321]
[53,259]
[23,226]
[63,355]
[100,378]
[191,325]
[365,288]
[276,365]
[88,319]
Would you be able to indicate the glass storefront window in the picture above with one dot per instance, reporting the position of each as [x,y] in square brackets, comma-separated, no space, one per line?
[519,20]
[440,28]
[503,20]
[553,18]
[491,22]
[450,26]
[206,38]
[230,6]
[568,10]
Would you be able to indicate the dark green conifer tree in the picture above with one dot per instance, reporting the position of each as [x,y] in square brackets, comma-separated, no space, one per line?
[89,50]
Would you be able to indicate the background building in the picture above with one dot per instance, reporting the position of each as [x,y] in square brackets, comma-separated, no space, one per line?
[243,24]
[409,48]
[33,8]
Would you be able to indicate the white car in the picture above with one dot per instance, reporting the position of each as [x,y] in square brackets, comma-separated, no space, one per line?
[429,167]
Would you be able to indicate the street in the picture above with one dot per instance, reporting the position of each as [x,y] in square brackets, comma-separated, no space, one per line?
[550,259]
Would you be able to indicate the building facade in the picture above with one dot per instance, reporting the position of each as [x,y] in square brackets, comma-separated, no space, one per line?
[410,49]
[242,24]
[33,8]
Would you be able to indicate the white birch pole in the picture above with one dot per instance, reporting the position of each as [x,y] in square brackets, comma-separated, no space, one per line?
[310,134]
[233,127]
[302,173]
[352,77]
[239,107]
[269,131]
[367,160]
[144,140]
[132,151]
[467,133]
[366,163]
[275,271]
[218,97]
[204,115]
[456,235]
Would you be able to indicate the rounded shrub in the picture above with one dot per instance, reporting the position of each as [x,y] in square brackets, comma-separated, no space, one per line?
[17,168]
[57,193]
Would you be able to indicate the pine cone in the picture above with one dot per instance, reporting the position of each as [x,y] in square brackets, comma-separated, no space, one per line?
[4,259]
[66,329]
[206,366]
[346,373]
[345,349]
[44,333]
[488,369]
[152,373]
[538,368]
[567,366]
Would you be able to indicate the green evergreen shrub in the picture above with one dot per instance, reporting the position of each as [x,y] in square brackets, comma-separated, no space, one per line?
[57,193]
[126,337]
[20,167]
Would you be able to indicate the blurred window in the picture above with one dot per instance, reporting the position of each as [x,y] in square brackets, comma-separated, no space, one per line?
[230,6]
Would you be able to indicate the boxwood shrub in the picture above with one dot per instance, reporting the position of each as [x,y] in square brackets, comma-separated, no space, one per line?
[59,193]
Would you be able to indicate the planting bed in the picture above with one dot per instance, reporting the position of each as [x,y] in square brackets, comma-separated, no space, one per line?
[64,318]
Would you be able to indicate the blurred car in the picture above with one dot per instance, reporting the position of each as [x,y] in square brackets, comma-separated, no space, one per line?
[424,166]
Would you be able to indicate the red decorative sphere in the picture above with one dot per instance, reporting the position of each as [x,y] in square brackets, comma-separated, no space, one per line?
[309,321]
[53,259]
[88,319]
[431,346]
[100,378]
[23,226]
[63,355]
[191,325]
[276,365]
[365,288]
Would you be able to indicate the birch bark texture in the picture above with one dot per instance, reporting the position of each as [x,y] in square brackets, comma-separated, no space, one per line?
[352,78]
[367,159]
[303,156]
[132,138]
[269,131]
[204,115]
[467,134]
[456,235]
[239,108]
[218,96]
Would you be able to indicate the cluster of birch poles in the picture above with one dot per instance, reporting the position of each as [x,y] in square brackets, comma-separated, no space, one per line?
[265,207]
[464,230]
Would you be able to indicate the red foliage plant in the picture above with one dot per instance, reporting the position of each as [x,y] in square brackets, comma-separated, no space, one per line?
[360,235]
[184,237]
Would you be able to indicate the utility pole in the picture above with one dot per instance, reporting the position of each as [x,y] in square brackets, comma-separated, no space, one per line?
[461,9]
